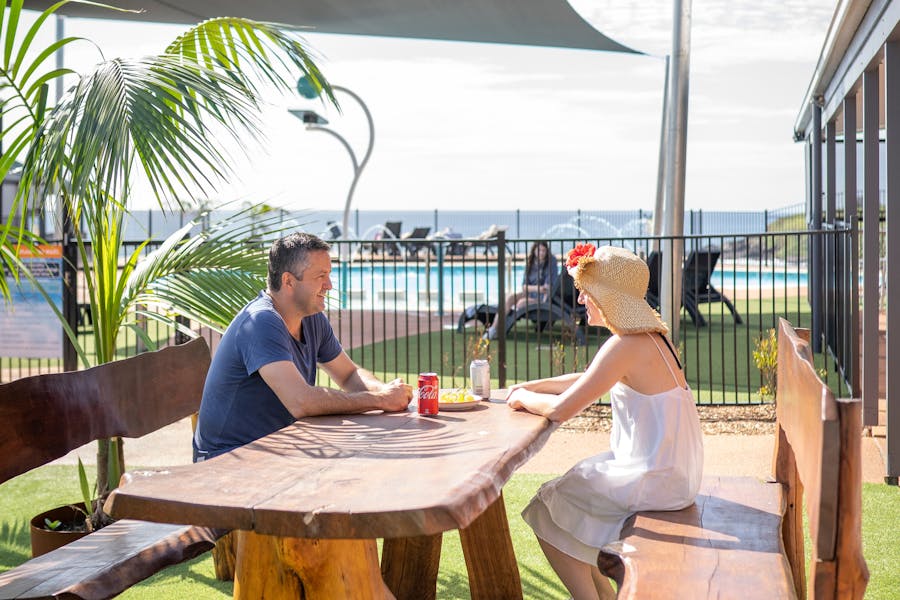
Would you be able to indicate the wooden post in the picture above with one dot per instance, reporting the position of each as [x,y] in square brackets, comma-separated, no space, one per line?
[492,568]
[409,566]
[274,567]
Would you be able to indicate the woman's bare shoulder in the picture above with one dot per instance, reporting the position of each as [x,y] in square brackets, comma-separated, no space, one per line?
[632,340]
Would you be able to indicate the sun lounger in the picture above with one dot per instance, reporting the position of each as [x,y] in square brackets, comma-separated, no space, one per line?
[696,288]
[417,241]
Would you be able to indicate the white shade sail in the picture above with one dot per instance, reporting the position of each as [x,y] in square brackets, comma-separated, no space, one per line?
[552,23]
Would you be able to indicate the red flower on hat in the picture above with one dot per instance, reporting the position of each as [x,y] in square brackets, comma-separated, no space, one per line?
[577,252]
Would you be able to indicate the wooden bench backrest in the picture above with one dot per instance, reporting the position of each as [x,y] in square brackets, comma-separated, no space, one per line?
[46,416]
[817,458]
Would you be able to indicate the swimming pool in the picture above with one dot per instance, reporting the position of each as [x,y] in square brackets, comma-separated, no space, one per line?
[413,286]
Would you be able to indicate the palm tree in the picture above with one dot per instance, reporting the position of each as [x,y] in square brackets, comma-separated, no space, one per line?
[161,118]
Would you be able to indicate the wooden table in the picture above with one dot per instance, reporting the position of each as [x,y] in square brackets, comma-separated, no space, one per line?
[309,501]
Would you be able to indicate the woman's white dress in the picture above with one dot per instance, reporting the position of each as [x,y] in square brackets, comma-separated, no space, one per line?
[656,463]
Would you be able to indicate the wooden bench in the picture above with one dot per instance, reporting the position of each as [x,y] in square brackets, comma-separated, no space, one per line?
[743,538]
[44,417]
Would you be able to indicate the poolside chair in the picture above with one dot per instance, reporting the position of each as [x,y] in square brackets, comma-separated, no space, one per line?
[483,313]
[333,231]
[453,248]
[456,248]
[568,301]
[561,306]
[391,230]
[485,238]
[696,288]
[420,234]
[540,312]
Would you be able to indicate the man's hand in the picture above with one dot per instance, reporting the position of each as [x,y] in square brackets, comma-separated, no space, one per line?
[395,395]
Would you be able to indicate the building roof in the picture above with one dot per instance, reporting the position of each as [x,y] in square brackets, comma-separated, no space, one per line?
[853,43]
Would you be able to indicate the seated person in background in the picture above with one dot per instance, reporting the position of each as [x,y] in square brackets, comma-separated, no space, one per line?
[656,457]
[263,374]
[540,275]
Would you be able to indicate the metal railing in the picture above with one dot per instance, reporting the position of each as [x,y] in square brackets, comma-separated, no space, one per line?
[401,307]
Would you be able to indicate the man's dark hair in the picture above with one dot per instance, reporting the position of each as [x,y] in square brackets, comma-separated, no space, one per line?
[290,254]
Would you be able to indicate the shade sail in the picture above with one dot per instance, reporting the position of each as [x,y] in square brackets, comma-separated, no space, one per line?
[552,23]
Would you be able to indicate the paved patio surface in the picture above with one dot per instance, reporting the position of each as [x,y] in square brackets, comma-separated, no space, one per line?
[724,454]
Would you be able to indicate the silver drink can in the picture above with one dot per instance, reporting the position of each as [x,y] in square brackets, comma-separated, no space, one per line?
[480,376]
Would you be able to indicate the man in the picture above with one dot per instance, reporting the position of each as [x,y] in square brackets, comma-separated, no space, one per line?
[263,374]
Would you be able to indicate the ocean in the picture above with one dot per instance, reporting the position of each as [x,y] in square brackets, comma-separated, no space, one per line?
[520,224]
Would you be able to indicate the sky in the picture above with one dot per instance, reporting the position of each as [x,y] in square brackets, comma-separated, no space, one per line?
[485,126]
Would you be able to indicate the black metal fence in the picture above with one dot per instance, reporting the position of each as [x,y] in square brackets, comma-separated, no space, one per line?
[401,307]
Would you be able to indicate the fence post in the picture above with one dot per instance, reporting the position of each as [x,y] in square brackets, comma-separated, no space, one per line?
[501,308]
[440,279]
[182,338]
[70,289]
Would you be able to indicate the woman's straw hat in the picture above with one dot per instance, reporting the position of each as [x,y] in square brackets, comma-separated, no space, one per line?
[616,280]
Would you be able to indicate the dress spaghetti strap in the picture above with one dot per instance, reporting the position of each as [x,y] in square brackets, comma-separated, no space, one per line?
[661,355]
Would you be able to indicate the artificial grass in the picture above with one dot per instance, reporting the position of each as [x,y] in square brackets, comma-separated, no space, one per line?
[718,357]
[51,485]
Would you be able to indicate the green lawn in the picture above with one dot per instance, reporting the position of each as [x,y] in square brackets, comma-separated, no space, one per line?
[52,485]
[718,357]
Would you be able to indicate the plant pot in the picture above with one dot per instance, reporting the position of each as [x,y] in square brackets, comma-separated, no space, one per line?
[44,540]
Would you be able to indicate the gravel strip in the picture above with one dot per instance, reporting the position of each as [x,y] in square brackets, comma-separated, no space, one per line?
[756,419]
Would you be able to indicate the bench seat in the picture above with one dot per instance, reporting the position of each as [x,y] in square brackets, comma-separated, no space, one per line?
[745,538]
[130,397]
[728,540]
[106,562]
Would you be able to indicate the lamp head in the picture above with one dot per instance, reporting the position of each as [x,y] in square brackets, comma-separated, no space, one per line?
[308,87]
[309,117]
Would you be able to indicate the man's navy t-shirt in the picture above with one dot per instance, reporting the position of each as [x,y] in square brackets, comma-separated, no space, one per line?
[238,406]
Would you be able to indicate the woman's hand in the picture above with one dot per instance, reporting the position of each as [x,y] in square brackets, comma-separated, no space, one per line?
[534,402]
[513,402]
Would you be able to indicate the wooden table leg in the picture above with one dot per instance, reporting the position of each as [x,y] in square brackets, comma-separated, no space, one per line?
[280,568]
[409,566]
[490,558]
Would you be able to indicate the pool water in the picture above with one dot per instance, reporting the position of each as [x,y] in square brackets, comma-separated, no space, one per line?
[405,286]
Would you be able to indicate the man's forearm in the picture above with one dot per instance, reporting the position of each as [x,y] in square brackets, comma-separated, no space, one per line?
[362,380]
[318,400]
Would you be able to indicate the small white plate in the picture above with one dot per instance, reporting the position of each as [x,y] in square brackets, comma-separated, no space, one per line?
[451,406]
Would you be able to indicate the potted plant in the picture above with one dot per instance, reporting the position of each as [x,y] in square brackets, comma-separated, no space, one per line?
[160,117]
[58,526]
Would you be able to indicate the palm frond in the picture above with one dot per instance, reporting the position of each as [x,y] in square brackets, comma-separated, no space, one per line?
[209,276]
[136,109]
[22,97]
[250,52]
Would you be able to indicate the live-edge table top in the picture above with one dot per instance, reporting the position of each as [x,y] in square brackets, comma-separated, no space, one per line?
[350,476]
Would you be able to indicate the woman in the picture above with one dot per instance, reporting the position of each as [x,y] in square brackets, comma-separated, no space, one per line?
[540,275]
[656,457]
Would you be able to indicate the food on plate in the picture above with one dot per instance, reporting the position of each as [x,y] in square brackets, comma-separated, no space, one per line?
[456,396]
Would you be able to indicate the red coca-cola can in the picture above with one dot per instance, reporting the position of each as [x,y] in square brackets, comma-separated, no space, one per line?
[429,390]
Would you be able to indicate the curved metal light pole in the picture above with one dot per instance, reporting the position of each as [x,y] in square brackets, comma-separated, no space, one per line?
[315,122]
